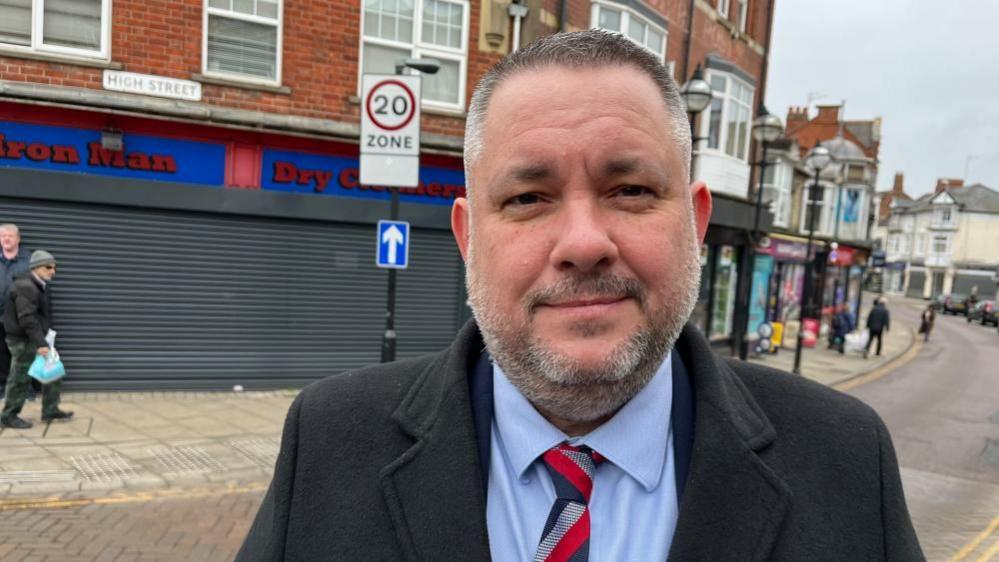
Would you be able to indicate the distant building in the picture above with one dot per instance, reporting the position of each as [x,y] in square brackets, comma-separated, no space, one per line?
[946,240]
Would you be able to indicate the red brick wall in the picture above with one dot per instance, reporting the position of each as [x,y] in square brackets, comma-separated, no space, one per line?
[321,48]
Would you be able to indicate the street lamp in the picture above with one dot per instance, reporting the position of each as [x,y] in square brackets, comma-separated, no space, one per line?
[766,129]
[696,94]
[426,66]
[817,160]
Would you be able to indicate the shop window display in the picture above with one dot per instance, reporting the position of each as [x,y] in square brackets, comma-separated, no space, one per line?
[726,277]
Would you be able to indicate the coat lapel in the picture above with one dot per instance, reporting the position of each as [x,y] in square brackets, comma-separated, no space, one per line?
[434,489]
[735,501]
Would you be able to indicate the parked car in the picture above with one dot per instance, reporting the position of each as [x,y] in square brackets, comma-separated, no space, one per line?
[952,304]
[984,312]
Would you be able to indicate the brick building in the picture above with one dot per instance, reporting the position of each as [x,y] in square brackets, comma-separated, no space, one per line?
[189,161]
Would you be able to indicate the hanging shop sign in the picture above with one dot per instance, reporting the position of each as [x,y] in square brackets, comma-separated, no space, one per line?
[783,250]
[62,149]
[307,173]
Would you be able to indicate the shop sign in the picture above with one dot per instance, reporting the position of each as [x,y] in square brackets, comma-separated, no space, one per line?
[61,149]
[784,250]
[305,173]
[878,258]
[843,255]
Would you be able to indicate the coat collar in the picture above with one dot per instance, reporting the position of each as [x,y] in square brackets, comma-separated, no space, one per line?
[734,501]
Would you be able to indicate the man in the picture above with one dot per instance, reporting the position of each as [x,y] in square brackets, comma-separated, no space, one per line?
[27,317]
[13,261]
[576,417]
[878,322]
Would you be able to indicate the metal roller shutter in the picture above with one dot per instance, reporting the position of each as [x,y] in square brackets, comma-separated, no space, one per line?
[963,284]
[166,299]
[917,279]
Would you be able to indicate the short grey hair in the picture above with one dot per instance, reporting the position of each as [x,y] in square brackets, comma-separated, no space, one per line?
[592,48]
[10,226]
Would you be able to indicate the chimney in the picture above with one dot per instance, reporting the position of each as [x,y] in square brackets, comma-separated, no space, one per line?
[948,183]
[796,116]
[828,114]
[897,188]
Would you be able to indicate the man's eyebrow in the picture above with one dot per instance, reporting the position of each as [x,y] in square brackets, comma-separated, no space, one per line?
[529,173]
[625,166]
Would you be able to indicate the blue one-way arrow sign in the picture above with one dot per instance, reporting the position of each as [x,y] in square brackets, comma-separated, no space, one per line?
[393,244]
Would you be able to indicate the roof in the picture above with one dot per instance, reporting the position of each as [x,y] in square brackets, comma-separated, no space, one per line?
[844,150]
[864,131]
[971,198]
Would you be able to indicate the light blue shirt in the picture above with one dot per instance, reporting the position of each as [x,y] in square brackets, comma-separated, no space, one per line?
[633,507]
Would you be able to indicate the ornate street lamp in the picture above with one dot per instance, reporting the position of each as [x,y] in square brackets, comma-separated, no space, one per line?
[696,94]
[766,129]
[817,160]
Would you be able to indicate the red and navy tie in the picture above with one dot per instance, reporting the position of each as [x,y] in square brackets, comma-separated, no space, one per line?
[567,531]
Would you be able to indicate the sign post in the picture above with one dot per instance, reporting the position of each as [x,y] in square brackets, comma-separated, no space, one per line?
[390,156]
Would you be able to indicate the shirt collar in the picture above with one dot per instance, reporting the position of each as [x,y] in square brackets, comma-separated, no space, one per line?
[635,439]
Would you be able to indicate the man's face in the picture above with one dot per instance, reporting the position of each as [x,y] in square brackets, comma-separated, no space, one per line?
[46,272]
[9,240]
[581,236]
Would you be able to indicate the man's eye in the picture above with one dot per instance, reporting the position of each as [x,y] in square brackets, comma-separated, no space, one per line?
[524,199]
[633,191]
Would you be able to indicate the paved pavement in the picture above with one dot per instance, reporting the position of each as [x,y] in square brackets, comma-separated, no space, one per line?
[842,370]
[179,475]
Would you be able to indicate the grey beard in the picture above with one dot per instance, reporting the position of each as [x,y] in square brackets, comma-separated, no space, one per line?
[557,384]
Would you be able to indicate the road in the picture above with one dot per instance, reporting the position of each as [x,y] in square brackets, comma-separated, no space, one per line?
[942,409]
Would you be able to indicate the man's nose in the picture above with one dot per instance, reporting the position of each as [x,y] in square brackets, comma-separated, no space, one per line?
[584,240]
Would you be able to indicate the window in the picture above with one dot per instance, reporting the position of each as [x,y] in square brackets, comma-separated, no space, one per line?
[777,182]
[893,244]
[855,173]
[944,216]
[941,245]
[820,207]
[728,121]
[920,244]
[743,14]
[243,40]
[68,27]
[438,29]
[726,277]
[632,25]
[723,7]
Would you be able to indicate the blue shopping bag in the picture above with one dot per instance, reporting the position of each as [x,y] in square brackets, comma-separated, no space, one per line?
[47,369]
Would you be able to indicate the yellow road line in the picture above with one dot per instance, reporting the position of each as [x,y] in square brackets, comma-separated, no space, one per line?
[973,544]
[57,503]
[989,553]
[909,355]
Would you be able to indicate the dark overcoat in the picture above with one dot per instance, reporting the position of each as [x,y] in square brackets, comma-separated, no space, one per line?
[382,464]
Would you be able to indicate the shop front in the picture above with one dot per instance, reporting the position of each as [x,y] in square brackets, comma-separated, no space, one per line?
[778,281]
[843,280]
[203,257]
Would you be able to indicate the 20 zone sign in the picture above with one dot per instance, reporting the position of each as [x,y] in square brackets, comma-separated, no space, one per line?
[390,122]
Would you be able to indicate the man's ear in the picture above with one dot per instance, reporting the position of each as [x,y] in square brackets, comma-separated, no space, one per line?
[700,197]
[461,222]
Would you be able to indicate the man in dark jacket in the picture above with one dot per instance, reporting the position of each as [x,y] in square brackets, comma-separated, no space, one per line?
[13,261]
[577,418]
[878,322]
[27,317]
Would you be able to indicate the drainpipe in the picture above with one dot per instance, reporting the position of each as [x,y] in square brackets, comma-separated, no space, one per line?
[563,15]
[518,12]
[686,41]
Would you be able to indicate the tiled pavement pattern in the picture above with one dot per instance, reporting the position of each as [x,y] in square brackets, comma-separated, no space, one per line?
[206,528]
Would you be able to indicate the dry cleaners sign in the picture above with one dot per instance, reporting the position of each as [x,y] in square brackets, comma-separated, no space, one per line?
[149,85]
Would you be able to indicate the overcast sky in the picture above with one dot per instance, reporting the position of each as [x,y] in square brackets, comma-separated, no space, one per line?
[929,69]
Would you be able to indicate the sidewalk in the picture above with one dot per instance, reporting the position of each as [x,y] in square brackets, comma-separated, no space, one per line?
[831,368]
[128,443]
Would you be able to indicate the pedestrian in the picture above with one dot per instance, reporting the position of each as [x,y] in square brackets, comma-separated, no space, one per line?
[27,318]
[13,261]
[878,322]
[929,317]
[578,380]
[841,325]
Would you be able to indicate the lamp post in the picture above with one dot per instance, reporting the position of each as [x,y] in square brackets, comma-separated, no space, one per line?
[426,66]
[766,129]
[817,160]
[696,94]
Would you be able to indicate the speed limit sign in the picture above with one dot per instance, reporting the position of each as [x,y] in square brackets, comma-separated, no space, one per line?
[390,130]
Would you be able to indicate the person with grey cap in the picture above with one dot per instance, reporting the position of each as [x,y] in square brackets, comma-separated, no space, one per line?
[13,261]
[27,319]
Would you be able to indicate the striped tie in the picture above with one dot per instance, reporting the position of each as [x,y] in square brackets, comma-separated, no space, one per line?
[567,531]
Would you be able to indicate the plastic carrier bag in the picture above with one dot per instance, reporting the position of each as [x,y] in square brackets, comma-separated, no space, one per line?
[47,368]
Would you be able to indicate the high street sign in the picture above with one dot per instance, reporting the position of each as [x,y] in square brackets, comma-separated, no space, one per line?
[390,130]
